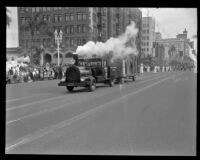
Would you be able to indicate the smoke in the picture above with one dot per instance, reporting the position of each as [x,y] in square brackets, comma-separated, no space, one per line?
[119,47]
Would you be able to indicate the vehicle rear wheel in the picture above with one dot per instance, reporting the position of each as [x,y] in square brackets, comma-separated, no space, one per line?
[92,86]
[70,88]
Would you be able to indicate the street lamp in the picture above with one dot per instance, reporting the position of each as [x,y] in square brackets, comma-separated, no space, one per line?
[58,40]
[42,61]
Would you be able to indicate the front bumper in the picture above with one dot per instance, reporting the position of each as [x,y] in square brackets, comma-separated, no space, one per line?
[75,84]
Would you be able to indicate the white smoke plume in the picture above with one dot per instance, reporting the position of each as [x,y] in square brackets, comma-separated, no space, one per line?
[120,47]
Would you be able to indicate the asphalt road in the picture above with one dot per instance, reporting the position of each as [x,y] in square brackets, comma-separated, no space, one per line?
[155,115]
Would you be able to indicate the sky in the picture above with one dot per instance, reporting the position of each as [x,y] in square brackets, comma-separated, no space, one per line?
[169,22]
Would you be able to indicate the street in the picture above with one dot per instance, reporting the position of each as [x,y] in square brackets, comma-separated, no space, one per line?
[155,115]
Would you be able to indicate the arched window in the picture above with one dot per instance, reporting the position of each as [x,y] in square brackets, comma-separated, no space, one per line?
[56,55]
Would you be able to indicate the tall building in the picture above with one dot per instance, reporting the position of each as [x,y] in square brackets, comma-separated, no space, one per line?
[120,18]
[148,35]
[78,24]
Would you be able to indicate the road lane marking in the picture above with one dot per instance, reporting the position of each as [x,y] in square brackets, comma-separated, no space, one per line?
[62,106]
[67,122]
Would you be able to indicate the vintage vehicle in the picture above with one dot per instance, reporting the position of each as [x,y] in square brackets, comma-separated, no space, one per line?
[88,75]
[90,71]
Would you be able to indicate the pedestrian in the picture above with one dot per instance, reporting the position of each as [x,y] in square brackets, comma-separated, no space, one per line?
[141,69]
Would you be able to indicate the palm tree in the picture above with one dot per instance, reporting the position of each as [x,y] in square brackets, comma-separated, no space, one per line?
[36,24]
[8,19]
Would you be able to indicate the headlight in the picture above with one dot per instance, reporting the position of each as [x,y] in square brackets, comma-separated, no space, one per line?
[82,79]
[63,80]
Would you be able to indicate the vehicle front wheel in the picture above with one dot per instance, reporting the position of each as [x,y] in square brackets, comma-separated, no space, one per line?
[92,86]
[70,88]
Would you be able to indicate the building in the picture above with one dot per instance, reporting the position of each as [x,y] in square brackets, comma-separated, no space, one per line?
[120,18]
[148,35]
[176,47]
[78,24]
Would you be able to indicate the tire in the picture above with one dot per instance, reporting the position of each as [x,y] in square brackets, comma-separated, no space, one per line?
[70,88]
[111,83]
[92,86]
[133,78]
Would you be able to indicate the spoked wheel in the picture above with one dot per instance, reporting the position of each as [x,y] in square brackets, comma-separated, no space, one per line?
[70,88]
[92,86]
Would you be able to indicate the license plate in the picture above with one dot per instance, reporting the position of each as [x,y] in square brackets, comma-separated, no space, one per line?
[70,84]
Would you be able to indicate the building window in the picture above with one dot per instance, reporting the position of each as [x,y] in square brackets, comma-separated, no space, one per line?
[147,31]
[55,18]
[48,8]
[83,41]
[71,41]
[67,41]
[78,29]
[22,9]
[27,9]
[37,9]
[84,28]
[44,9]
[49,18]
[66,18]
[78,41]
[27,20]
[22,20]
[67,29]
[94,17]
[44,18]
[71,29]
[147,49]
[59,8]
[84,16]
[60,18]
[147,37]
[79,18]
[147,43]
[71,17]
[55,8]
[33,9]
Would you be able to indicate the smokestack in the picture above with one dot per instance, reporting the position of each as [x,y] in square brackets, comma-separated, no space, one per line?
[119,47]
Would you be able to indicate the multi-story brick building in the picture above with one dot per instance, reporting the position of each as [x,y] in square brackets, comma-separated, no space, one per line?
[78,24]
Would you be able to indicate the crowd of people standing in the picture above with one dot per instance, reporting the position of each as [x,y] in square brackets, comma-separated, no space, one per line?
[20,74]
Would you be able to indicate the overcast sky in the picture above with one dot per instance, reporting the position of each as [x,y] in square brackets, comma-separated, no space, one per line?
[169,21]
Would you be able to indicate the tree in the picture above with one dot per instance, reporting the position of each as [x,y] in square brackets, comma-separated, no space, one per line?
[8,19]
[34,24]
